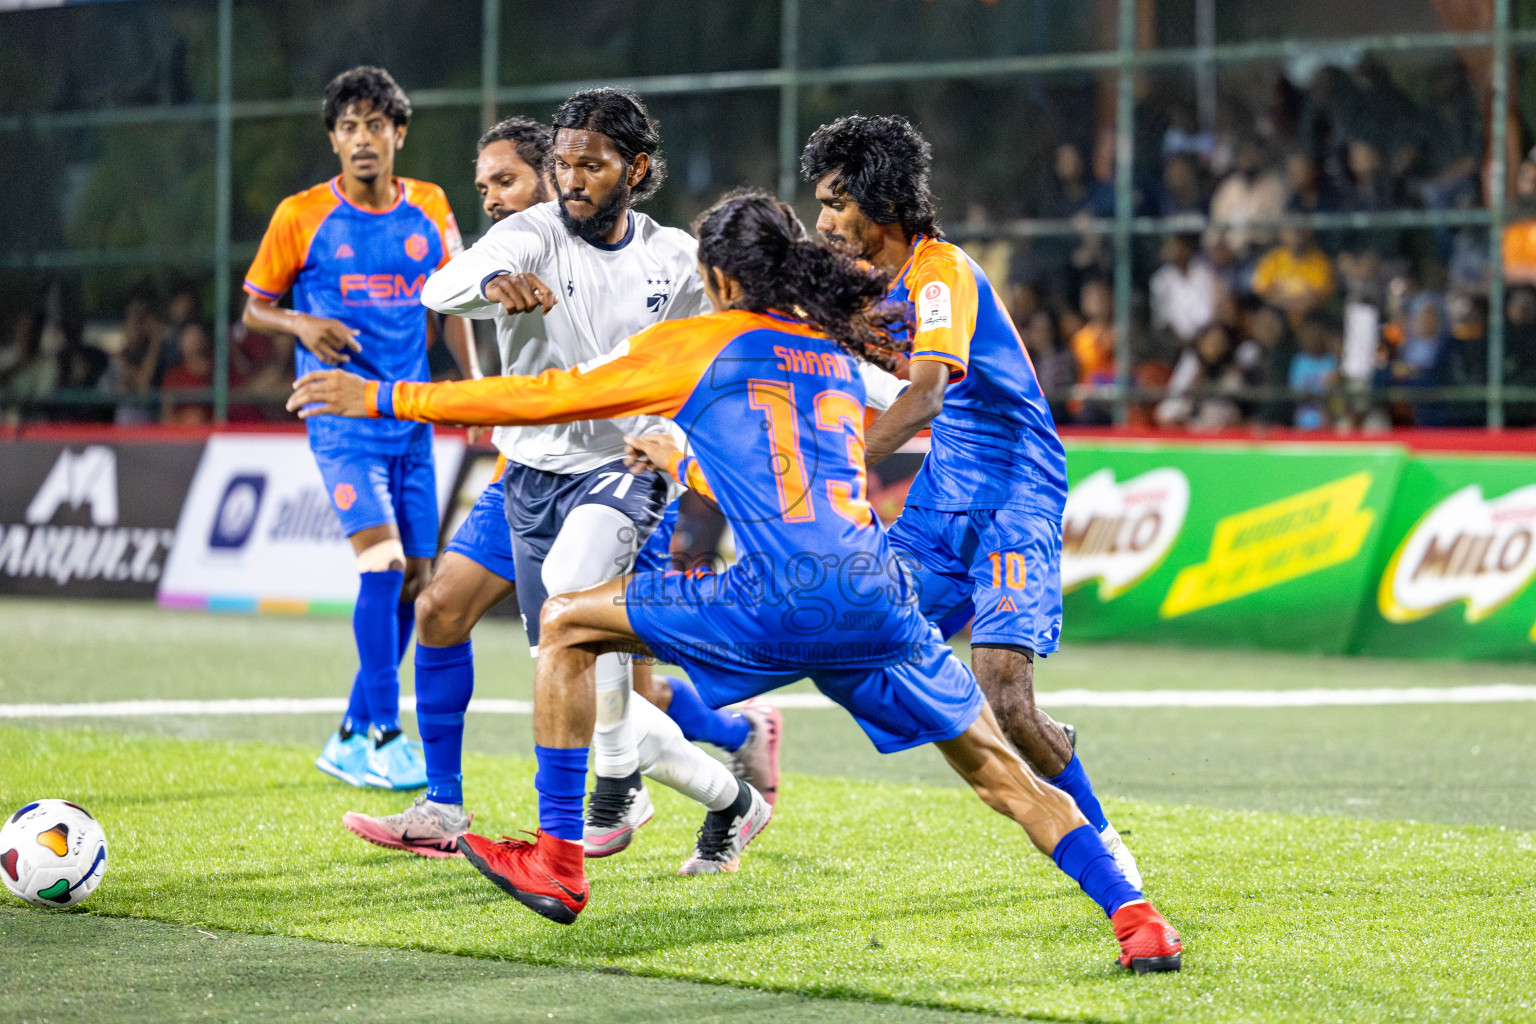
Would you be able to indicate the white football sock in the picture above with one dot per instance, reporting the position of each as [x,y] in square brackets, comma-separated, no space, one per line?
[671,760]
[613,741]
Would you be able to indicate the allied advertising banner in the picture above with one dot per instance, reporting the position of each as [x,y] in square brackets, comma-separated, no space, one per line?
[1228,545]
[89,520]
[257,531]
[1453,573]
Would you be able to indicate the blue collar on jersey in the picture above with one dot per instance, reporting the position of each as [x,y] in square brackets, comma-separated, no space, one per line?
[629,236]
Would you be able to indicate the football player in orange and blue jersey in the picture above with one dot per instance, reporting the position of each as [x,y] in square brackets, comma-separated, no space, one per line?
[768,392]
[354,252]
[982,521]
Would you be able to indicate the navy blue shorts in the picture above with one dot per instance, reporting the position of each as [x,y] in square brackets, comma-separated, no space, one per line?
[485,538]
[1005,563]
[886,667]
[369,490]
[538,502]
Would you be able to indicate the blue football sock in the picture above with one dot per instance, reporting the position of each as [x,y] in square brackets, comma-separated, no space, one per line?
[699,721]
[405,615]
[1082,856]
[1074,781]
[561,780]
[376,628]
[445,678]
[356,719]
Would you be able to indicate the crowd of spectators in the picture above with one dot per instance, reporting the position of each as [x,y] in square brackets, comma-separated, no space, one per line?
[154,365]
[1240,319]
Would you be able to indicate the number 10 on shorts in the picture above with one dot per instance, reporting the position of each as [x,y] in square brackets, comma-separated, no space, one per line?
[1014,563]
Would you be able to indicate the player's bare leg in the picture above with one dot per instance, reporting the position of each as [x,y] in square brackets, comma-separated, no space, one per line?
[1007,677]
[548,875]
[457,597]
[986,759]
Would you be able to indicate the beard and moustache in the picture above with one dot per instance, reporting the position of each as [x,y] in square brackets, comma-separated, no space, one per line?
[594,229]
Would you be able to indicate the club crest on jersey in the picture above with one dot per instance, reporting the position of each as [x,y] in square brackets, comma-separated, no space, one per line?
[345,496]
[933,308]
[658,299]
[416,246]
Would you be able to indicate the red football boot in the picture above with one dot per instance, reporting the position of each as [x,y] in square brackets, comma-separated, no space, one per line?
[1147,942]
[547,876]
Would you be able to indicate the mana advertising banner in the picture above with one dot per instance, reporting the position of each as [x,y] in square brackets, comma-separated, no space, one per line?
[89,520]
[1223,545]
[257,531]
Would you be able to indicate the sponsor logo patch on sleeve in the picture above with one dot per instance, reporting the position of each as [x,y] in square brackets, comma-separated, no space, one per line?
[933,307]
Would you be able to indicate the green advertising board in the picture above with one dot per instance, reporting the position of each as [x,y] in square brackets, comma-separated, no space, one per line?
[1452,574]
[1223,544]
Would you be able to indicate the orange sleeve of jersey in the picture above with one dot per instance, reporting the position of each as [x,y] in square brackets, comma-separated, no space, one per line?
[652,373]
[685,470]
[943,290]
[281,254]
[433,202]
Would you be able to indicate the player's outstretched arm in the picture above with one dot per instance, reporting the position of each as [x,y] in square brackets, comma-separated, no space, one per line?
[653,377]
[660,453]
[916,407]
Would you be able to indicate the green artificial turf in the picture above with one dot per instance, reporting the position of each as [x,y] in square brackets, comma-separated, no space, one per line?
[859,889]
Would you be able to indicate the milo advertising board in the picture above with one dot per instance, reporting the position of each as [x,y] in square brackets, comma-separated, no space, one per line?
[1239,545]
[1454,570]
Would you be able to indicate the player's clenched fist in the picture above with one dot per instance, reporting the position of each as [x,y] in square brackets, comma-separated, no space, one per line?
[329,340]
[333,392]
[521,293]
[649,452]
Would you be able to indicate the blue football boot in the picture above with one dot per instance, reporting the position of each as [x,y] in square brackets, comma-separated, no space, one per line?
[347,759]
[398,764]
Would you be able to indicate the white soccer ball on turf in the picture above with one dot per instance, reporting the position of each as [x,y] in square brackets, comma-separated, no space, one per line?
[52,853]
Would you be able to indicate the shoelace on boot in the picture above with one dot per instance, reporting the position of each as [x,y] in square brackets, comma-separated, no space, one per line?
[607,805]
[714,836]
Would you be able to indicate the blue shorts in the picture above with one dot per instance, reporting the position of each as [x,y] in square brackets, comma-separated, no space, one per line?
[1006,563]
[886,667]
[538,502]
[368,490]
[485,538]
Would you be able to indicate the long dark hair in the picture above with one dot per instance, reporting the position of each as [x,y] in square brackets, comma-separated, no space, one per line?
[758,240]
[621,116]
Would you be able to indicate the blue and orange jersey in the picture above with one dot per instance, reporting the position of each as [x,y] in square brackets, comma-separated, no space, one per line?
[774,415]
[995,444]
[365,268]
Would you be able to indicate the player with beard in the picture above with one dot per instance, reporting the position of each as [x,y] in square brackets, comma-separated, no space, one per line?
[513,171]
[567,281]
[355,251]
[982,521]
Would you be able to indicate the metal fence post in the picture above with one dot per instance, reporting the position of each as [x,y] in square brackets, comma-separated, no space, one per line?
[223,227]
[789,99]
[1497,186]
[1125,104]
[490,73]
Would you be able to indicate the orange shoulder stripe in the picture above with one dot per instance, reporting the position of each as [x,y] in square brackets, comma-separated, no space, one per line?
[285,247]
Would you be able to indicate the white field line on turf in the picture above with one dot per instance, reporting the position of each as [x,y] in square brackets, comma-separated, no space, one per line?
[1497,693]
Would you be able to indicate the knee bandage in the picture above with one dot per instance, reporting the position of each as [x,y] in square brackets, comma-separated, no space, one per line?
[382,557]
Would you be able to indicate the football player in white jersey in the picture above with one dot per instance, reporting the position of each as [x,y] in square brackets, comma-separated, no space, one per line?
[566,281]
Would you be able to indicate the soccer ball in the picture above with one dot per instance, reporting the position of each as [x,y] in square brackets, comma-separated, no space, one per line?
[52,853]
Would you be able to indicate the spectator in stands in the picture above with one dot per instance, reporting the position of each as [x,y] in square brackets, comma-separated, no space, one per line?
[132,370]
[1451,133]
[1183,295]
[1520,351]
[1054,366]
[1265,356]
[25,373]
[1314,372]
[1250,194]
[1182,189]
[193,371]
[1426,359]
[1369,188]
[1311,193]
[1520,235]
[1296,276]
[1202,389]
[1047,261]
[1093,350]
